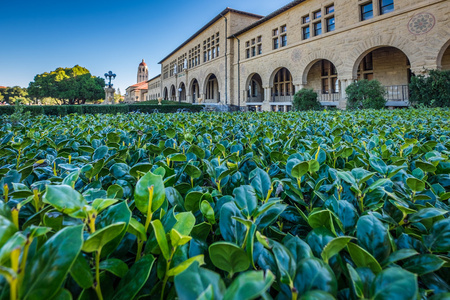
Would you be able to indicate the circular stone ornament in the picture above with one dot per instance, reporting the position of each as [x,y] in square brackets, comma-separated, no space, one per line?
[421,23]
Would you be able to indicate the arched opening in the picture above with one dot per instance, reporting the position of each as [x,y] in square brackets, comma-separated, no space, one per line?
[391,67]
[322,77]
[182,92]
[173,95]
[445,60]
[165,94]
[255,91]
[212,94]
[195,91]
[282,90]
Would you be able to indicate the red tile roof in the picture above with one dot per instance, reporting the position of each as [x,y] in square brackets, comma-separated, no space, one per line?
[2,87]
[140,86]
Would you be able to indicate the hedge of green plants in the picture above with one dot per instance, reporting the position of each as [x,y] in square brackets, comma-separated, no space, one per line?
[312,205]
[62,110]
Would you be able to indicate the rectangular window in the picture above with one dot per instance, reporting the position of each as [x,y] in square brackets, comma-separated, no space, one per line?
[317,14]
[213,52]
[253,41]
[368,62]
[275,32]
[386,6]
[204,56]
[306,33]
[330,24]
[330,9]
[217,51]
[259,39]
[253,51]
[325,86]
[248,53]
[367,11]
[275,43]
[317,28]
[283,40]
[247,44]
[259,49]
[283,28]
[209,54]
[306,19]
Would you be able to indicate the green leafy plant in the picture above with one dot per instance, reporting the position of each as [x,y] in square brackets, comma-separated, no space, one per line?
[304,205]
[306,99]
[432,90]
[364,94]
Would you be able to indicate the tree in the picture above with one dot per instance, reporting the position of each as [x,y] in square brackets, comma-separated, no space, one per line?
[366,94]
[306,99]
[431,91]
[10,94]
[70,85]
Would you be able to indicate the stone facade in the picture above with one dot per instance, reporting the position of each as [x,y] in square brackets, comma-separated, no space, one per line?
[324,45]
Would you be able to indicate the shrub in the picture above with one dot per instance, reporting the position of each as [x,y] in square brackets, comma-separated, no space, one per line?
[105,109]
[306,99]
[366,94]
[74,109]
[431,91]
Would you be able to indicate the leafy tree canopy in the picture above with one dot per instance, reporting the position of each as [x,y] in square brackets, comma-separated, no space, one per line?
[10,94]
[75,85]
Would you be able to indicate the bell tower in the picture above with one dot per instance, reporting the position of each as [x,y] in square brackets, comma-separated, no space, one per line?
[142,74]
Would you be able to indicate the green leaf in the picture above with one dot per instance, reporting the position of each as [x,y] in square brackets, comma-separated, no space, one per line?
[228,257]
[395,283]
[425,166]
[192,201]
[100,238]
[176,239]
[134,279]
[423,264]
[64,198]
[300,169]
[18,240]
[136,228]
[185,264]
[208,212]
[185,223]
[314,274]
[249,285]
[114,266]
[373,236]
[356,283]
[141,193]
[191,283]
[245,198]
[415,184]
[161,238]
[317,295]
[48,268]
[100,152]
[362,258]
[439,238]
[261,183]
[426,213]
[334,247]
[285,261]
[82,273]
[400,255]
[193,171]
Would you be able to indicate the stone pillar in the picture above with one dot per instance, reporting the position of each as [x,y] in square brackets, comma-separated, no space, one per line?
[109,95]
[345,82]
[267,98]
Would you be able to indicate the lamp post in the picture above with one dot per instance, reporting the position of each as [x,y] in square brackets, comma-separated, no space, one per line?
[179,96]
[109,90]
[110,75]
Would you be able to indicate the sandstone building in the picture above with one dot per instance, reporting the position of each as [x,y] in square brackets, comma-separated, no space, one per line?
[139,91]
[247,60]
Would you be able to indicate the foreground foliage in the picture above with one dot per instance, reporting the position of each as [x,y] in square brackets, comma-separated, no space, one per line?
[432,90]
[318,205]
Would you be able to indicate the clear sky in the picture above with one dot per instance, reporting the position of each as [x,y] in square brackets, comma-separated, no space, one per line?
[39,36]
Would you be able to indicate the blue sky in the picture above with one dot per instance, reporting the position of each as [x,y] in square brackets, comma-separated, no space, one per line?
[39,36]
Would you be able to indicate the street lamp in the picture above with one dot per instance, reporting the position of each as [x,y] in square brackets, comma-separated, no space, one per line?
[110,75]
[179,98]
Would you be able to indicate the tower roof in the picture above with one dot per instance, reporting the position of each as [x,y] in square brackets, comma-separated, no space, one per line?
[143,63]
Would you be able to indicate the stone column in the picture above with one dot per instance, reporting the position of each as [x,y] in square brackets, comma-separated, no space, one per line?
[109,95]
[345,82]
[267,99]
